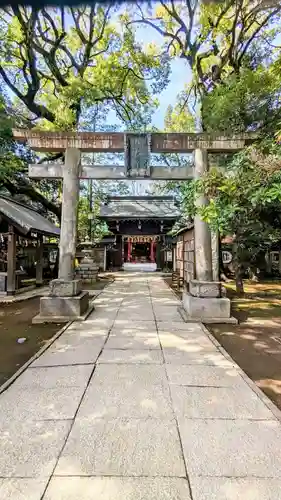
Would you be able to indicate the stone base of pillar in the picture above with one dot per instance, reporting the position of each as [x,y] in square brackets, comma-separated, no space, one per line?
[206,309]
[66,302]
[208,289]
[63,309]
[65,288]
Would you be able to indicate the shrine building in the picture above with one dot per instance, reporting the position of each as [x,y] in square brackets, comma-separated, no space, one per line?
[140,225]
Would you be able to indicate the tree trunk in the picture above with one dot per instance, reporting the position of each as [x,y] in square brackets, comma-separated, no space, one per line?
[239,280]
[238,269]
[223,276]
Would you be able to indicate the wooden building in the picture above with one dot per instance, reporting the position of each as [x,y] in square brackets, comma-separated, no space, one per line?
[140,225]
[184,255]
[21,226]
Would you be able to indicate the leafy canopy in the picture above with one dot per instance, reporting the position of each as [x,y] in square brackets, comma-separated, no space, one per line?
[57,61]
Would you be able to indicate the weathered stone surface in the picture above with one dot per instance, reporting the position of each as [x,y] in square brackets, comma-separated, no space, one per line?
[56,403]
[148,333]
[68,307]
[75,352]
[198,356]
[136,444]
[57,376]
[70,200]
[117,488]
[208,376]
[131,356]
[206,308]
[85,329]
[103,312]
[220,488]
[59,141]
[202,233]
[114,141]
[31,449]
[3,280]
[137,155]
[63,288]
[127,326]
[127,400]
[135,314]
[169,300]
[55,171]
[169,326]
[137,341]
[79,332]
[190,343]
[206,402]
[22,489]
[237,447]
[145,375]
[186,142]
[167,313]
[122,447]
[208,289]
[75,355]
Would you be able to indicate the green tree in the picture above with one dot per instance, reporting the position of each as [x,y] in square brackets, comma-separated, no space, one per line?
[244,202]
[245,102]
[60,63]
[229,46]
[214,38]
[58,60]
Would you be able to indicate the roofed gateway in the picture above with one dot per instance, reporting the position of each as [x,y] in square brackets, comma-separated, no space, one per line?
[140,225]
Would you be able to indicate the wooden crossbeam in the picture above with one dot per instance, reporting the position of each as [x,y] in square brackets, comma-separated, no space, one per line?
[115,142]
[109,172]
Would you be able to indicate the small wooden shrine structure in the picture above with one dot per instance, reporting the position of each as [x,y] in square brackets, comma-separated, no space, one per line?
[19,223]
[140,225]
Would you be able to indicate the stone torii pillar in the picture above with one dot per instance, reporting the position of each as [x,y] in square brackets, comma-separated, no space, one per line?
[204,301]
[66,300]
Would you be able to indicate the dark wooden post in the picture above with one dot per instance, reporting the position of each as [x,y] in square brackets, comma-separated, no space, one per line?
[11,262]
[39,261]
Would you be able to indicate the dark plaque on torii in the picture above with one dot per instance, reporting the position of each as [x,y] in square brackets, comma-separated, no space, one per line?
[137,155]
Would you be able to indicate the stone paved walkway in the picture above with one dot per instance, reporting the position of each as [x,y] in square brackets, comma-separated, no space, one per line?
[135,404]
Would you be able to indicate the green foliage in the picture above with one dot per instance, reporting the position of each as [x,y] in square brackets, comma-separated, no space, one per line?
[11,164]
[92,228]
[58,60]
[245,102]
[213,37]
[244,201]
[178,118]
[66,69]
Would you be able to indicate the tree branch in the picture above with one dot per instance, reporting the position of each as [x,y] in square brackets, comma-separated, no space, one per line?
[27,189]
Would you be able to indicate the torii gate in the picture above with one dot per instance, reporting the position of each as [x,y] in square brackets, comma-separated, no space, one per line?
[203,301]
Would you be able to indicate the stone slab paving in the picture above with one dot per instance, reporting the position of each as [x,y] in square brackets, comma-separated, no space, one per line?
[135,404]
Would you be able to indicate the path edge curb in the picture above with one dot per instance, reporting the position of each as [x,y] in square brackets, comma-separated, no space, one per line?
[16,375]
[12,379]
[264,398]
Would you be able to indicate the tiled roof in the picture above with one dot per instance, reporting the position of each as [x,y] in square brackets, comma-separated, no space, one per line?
[140,208]
[25,218]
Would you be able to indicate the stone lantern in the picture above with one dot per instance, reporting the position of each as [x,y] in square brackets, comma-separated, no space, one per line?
[87,270]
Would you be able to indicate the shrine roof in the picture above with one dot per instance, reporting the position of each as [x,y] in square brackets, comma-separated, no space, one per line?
[26,219]
[146,207]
